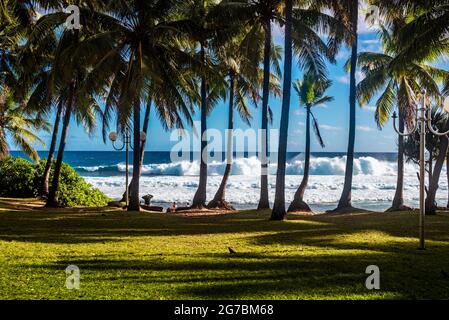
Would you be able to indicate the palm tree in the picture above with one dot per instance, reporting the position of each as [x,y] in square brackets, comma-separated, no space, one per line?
[18,126]
[63,80]
[347,12]
[259,13]
[208,31]
[142,57]
[311,51]
[424,37]
[245,78]
[311,94]
[278,212]
[399,87]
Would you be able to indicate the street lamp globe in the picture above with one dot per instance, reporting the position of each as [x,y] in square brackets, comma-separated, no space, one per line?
[143,136]
[113,136]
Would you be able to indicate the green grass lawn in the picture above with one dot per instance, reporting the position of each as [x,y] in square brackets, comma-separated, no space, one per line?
[160,256]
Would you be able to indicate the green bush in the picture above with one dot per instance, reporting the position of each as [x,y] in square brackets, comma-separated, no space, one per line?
[23,181]
[17,178]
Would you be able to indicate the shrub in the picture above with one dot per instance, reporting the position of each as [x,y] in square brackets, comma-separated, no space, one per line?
[17,178]
[74,191]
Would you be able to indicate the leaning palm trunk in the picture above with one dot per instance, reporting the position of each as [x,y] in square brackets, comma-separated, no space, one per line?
[199,200]
[52,200]
[264,202]
[433,183]
[279,201]
[219,199]
[345,199]
[398,200]
[46,175]
[134,202]
[298,204]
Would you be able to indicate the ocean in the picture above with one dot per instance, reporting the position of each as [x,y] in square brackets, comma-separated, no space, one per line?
[373,184]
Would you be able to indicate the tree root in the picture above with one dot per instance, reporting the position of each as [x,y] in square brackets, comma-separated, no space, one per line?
[299,206]
[399,208]
[220,204]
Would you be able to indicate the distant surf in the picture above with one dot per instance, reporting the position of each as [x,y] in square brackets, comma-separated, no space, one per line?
[373,188]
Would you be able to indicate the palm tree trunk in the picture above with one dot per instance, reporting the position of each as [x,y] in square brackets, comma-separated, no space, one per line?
[146,122]
[52,200]
[345,199]
[298,203]
[134,203]
[433,183]
[219,199]
[264,202]
[447,175]
[199,200]
[46,175]
[398,200]
[279,200]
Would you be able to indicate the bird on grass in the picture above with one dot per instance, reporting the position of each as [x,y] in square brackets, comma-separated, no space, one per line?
[231,251]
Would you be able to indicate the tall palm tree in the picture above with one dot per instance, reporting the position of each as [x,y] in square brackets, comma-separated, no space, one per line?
[312,52]
[208,31]
[142,58]
[259,13]
[311,94]
[66,79]
[347,11]
[278,212]
[399,87]
[245,79]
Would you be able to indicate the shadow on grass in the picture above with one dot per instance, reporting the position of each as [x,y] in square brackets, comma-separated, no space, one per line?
[267,276]
[305,257]
[320,230]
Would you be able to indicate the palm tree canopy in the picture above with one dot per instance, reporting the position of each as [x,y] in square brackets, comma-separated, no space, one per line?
[19,127]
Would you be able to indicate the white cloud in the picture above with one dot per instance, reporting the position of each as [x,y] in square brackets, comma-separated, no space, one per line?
[329,128]
[365,129]
[299,112]
[369,108]
[346,80]
[371,41]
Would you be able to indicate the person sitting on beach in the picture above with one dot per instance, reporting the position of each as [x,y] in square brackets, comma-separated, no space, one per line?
[173,207]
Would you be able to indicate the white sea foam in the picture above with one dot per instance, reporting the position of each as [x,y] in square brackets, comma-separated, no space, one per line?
[251,167]
[373,185]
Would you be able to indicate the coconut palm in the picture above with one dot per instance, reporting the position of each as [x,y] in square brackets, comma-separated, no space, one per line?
[424,37]
[141,58]
[311,94]
[398,87]
[245,79]
[347,11]
[64,82]
[312,52]
[208,30]
[259,13]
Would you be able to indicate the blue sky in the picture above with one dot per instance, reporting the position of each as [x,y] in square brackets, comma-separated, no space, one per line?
[333,117]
